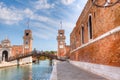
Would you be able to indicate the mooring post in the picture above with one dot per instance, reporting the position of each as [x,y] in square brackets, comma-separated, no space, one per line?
[38,59]
[18,62]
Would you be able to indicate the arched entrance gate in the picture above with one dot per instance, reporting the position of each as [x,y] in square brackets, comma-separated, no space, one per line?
[5,55]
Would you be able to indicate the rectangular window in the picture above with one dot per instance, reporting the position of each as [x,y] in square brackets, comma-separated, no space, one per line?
[82,35]
[90,27]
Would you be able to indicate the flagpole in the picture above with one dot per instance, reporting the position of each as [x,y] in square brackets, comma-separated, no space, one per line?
[28,23]
[61,24]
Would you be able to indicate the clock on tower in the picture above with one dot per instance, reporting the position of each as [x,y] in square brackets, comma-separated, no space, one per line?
[27,44]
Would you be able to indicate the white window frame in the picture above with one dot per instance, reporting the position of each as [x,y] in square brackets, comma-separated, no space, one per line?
[89,39]
[82,34]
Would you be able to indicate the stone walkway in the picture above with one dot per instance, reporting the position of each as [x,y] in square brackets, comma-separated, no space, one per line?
[67,71]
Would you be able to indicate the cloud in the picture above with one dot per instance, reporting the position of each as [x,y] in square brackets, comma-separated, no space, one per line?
[39,18]
[42,4]
[67,2]
[28,12]
[40,36]
[42,31]
[41,26]
[12,15]
[44,34]
[34,16]
[9,15]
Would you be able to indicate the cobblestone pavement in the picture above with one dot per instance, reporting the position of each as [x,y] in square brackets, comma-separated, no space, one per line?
[67,71]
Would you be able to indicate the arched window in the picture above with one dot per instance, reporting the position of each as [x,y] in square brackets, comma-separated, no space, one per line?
[90,27]
[74,41]
[82,35]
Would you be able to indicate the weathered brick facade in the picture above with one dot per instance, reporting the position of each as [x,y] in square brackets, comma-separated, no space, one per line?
[67,50]
[96,35]
[17,50]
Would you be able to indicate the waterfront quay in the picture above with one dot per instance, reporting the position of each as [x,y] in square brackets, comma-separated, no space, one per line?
[67,71]
[75,70]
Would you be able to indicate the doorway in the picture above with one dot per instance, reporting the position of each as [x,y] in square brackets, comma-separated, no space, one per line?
[5,55]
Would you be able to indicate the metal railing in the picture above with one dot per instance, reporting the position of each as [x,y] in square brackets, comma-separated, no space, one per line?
[34,53]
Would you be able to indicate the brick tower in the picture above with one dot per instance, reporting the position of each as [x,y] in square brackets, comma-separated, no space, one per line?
[61,43]
[27,41]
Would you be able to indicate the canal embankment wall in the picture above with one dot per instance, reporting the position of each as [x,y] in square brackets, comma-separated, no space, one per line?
[54,71]
[26,60]
[109,72]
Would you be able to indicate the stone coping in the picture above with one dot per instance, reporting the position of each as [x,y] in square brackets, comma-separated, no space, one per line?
[54,71]
[7,64]
[109,72]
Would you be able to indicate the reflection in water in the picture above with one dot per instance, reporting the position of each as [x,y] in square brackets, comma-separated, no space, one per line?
[41,71]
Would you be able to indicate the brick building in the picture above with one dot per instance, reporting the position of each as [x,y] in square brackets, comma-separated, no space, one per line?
[7,50]
[96,36]
[63,49]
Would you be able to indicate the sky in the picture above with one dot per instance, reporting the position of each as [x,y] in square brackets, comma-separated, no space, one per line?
[44,18]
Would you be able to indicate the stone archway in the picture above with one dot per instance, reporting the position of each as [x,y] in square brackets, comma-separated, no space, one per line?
[5,55]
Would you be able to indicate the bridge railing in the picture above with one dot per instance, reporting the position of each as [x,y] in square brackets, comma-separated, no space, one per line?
[34,53]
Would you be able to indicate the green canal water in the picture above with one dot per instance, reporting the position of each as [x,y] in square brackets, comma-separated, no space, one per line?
[38,71]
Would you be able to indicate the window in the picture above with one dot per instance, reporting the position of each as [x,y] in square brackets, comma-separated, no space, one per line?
[27,34]
[90,27]
[61,46]
[82,35]
[61,34]
[74,41]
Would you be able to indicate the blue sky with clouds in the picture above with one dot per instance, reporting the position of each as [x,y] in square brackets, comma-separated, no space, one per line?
[44,16]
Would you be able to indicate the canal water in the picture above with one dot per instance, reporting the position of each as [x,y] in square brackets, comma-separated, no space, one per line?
[38,71]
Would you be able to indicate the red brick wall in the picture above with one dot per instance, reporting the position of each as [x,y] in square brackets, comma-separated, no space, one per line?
[67,52]
[17,49]
[61,52]
[104,51]
[64,51]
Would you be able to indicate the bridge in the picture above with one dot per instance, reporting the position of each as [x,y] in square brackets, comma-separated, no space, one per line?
[34,53]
